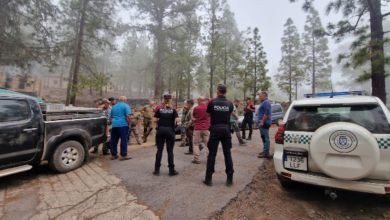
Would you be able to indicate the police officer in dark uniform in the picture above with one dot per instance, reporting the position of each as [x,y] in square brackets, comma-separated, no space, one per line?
[248,118]
[165,117]
[219,111]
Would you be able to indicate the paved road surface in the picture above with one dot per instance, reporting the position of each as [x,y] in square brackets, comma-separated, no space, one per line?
[105,189]
[185,196]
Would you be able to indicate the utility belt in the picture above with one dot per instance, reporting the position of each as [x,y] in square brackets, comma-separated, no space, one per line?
[248,115]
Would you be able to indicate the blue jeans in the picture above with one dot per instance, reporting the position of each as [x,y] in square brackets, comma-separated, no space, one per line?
[265,136]
[123,134]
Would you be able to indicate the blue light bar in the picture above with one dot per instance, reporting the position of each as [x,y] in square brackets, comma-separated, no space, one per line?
[331,94]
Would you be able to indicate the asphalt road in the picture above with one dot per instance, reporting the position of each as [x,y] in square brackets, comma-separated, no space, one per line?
[185,196]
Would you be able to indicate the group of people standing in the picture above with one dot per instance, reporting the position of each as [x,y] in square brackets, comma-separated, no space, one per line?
[203,125]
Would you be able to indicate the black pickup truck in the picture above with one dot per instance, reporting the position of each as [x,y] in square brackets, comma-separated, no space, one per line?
[32,132]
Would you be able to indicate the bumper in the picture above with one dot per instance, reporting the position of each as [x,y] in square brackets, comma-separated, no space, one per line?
[365,186]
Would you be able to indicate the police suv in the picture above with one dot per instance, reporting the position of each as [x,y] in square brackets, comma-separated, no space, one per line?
[335,140]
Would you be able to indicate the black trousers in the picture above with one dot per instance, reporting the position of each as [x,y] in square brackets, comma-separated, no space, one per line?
[223,135]
[165,134]
[246,121]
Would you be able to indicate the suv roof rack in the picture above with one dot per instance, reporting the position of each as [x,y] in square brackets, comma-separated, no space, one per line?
[331,94]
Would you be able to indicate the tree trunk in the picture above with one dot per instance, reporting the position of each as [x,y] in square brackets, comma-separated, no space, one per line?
[377,54]
[313,90]
[61,76]
[160,44]
[78,54]
[69,87]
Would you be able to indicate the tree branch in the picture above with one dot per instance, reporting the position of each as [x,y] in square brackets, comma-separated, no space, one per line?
[6,3]
[386,14]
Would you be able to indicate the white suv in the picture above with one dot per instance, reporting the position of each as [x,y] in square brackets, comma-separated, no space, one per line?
[339,142]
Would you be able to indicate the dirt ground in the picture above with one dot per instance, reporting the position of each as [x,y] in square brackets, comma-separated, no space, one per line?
[265,198]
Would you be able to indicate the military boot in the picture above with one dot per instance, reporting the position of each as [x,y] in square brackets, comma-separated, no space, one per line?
[208,180]
[172,171]
[229,180]
[156,171]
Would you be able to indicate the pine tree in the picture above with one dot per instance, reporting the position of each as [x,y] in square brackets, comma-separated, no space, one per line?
[290,74]
[213,38]
[317,62]
[159,18]
[370,39]
[259,80]
[27,32]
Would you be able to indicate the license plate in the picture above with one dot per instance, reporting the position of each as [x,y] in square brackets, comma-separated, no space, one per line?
[295,162]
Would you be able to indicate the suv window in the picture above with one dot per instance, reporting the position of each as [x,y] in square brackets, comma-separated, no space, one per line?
[13,110]
[310,119]
[276,108]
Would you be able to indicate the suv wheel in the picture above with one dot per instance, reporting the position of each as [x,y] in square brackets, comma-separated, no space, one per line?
[68,156]
[284,181]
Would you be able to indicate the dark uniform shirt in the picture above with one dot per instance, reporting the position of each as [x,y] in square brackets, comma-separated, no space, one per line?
[248,113]
[220,110]
[166,117]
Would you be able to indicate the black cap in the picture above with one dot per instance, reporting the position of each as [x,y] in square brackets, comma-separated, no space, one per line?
[111,99]
[222,88]
[190,101]
[167,96]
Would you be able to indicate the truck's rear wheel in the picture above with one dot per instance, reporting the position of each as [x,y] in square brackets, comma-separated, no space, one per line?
[68,156]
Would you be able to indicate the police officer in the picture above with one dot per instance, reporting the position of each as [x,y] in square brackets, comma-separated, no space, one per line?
[219,111]
[248,118]
[165,117]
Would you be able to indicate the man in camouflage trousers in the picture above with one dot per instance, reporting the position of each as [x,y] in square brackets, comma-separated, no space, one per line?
[106,112]
[134,126]
[147,112]
[184,139]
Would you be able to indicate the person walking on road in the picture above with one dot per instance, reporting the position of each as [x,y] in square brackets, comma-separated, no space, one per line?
[134,127]
[219,111]
[201,128]
[184,139]
[189,125]
[147,111]
[264,119]
[248,118]
[165,117]
[120,117]
[233,119]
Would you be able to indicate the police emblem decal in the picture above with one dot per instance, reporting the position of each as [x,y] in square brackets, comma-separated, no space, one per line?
[343,141]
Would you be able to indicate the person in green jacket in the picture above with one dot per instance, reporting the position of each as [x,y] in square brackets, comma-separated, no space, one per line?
[184,139]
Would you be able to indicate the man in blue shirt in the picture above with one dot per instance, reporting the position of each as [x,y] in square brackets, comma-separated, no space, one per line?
[120,117]
[264,120]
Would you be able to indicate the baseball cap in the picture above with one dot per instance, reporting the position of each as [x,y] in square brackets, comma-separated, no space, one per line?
[111,99]
[190,101]
[105,101]
[167,96]
[222,88]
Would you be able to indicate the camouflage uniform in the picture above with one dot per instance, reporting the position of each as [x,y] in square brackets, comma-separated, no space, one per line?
[184,139]
[148,124]
[134,127]
[106,146]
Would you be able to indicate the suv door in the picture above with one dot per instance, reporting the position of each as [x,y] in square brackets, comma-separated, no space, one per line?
[19,131]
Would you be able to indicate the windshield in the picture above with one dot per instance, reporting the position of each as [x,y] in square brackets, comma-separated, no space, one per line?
[370,117]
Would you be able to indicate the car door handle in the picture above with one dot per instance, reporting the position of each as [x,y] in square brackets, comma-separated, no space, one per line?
[29,129]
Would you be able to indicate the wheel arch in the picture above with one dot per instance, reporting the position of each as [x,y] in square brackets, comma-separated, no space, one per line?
[78,135]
